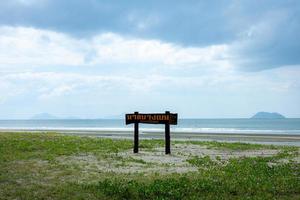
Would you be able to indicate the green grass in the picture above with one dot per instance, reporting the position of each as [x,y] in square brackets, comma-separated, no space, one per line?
[29,170]
[230,145]
[50,145]
[204,161]
[243,178]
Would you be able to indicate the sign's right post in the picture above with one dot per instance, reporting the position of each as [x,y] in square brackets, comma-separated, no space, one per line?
[136,136]
[167,136]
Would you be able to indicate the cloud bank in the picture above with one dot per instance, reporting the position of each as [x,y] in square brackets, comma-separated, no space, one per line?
[264,33]
[203,59]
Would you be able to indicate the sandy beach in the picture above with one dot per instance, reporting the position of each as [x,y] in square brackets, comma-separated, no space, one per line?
[260,138]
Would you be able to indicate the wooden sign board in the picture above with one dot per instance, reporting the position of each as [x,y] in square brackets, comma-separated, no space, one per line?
[156,118]
[166,118]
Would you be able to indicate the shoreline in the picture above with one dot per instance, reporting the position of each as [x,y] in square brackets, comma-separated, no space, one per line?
[260,138]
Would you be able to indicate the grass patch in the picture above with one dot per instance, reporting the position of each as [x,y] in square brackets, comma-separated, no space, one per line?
[151,144]
[204,161]
[29,170]
[229,145]
[240,179]
[47,146]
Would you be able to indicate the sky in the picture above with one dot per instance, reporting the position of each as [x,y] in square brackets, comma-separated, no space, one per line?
[104,58]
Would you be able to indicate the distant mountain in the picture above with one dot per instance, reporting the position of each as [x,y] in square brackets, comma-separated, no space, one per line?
[267,115]
[44,116]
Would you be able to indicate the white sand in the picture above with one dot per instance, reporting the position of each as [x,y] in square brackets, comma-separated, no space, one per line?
[155,161]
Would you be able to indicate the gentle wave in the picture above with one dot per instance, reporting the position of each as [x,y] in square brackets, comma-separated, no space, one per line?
[185,130]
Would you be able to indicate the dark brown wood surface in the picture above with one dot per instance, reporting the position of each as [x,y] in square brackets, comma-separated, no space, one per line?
[167,137]
[152,118]
[166,118]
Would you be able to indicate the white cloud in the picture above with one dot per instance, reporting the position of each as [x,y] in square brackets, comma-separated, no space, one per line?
[8,89]
[271,41]
[49,67]
[170,65]
[52,85]
[112,48]
[28,47]
[23,47]
[56,92]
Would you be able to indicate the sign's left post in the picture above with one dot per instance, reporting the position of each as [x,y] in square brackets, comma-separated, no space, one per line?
[136,136]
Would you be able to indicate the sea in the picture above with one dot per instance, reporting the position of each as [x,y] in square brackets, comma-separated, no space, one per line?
[238,126]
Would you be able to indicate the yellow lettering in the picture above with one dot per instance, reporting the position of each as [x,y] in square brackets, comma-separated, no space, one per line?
[153,118]
[165,117]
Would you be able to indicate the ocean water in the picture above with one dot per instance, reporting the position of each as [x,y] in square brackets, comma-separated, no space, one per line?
[266,126]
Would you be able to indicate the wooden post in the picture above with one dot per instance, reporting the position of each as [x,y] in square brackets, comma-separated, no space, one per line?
[167,136]
[136,136]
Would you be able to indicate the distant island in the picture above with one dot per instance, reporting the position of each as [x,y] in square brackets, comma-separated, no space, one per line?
[268,115]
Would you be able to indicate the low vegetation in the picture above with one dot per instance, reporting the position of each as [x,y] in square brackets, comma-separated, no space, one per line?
[55,166]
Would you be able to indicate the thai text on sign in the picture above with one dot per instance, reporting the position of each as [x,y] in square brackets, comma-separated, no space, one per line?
[159,118]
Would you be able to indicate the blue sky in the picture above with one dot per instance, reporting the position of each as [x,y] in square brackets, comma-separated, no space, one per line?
[94,58]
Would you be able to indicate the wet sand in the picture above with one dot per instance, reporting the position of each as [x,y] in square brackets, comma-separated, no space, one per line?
[262,138]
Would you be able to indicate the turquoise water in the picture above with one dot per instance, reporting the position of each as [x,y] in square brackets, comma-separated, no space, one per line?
[287,126]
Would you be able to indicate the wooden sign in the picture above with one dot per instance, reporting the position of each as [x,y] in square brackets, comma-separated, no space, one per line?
[166,118]
[157,118]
